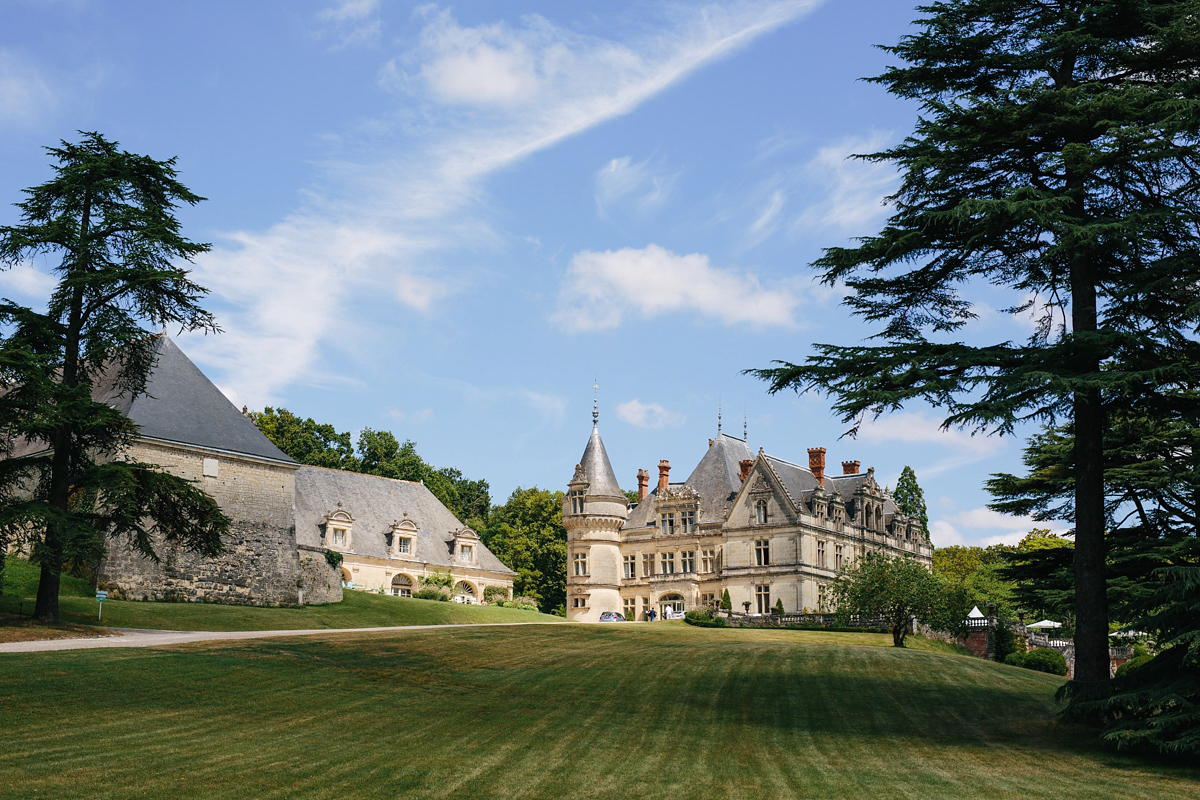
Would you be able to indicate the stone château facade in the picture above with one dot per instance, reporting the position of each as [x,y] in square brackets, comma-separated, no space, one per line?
[762,528]
[286,518]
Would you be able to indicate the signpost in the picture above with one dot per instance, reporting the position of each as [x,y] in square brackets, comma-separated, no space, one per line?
[101,596]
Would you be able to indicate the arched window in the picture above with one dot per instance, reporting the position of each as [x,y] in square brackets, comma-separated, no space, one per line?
[670,606]
[760,512]
[402,586]
[464,592]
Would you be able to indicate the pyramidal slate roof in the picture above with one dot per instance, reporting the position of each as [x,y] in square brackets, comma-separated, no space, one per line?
[181,405]
[597,469]
[376,503]
[715,478]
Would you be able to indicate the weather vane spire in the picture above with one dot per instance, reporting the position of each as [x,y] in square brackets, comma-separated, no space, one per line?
[718,415]
[596,402]
[745,425]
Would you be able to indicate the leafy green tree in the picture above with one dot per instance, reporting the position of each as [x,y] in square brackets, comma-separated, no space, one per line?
[910,499]
[106,218]
[526,533]
[306,440]
[899,589]
[726,603]
[1056,155]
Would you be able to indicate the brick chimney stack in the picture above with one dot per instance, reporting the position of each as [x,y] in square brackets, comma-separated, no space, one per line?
[850,467]
[816,463]
[664,468]
[643,484]
[746,467]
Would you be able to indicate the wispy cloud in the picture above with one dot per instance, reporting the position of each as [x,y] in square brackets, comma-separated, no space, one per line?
[374,223]
[983,527]
[352,22]
[637,184]
[27,280]
[922,435]
[848,193]
[648,415]
[600,287]
[768,218]
[25,93]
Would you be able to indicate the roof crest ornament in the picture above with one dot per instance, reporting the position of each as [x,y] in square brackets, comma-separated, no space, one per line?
[596,401]
[745,426]
[718,415]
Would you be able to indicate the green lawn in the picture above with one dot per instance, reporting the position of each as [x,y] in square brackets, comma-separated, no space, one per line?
[77,603]
[620,711]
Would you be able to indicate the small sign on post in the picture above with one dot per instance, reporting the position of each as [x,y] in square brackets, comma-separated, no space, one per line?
[101,596]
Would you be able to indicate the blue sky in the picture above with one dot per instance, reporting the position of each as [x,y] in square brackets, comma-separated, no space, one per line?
[450,220]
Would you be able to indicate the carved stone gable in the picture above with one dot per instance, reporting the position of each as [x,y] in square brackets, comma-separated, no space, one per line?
[760,486]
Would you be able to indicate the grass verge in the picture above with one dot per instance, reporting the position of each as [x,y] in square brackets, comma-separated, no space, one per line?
[77,605]
[647,711]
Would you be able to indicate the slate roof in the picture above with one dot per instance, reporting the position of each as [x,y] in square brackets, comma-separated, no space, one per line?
[181,405]
[376,503]
[715,478]
[597,469]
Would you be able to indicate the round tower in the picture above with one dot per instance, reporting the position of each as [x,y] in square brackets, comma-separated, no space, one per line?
[594,510]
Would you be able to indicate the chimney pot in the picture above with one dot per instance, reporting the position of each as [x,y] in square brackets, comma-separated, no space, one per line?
[643,478]
[816,463]
[664,468]
[746,466]
[850,467]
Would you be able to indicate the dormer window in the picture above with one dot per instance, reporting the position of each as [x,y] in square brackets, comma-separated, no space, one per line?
[403,538]
[576,498]
[465,540]
[687,521]
[467,553]
[339,529]
[760,512]
[403,545]
[668,524]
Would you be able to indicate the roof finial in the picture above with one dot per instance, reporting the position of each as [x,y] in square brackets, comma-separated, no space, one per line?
[596,402]
[718,415]
[745,426]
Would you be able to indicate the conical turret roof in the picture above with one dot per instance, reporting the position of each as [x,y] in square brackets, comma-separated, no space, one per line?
[597,470]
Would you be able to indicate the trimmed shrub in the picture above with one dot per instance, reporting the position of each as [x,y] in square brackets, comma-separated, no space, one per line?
[726,605]
[1016,659]
[703,618]
[1132,664]
[1043,659]
[778,610]
[492,593]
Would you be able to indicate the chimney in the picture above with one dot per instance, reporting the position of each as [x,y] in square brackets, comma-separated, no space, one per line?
[710,441]
[745,467]
[850,467]
[664,467]
[816,463]
[643,484]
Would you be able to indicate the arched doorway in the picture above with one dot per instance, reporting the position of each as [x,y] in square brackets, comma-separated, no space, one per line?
[402,586]
[464,593]
[347,579]
[670,606]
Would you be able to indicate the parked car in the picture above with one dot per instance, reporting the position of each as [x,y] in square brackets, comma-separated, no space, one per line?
[611,616]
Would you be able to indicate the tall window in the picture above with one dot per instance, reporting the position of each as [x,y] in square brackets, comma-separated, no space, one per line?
[822,599]
[339,537]
[647,564]
[576,502]
[668,563]
[821,554]
[837,557]
[668,524]
[762,595]
[467,552]
[630,566]
[687,521]
[762,552]
[581,564]
[707,561]
[687,561]
[579,602]
[708,599]
[760,512]
[630,607]
[404,545]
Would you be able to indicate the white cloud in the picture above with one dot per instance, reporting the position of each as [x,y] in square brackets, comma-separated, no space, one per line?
[621,179]
[419,415]
[850,192]
[374,223]
[648,415]
[918,428]
[27,280]
[600,287]
[768,219]
[983,527]
[25,95]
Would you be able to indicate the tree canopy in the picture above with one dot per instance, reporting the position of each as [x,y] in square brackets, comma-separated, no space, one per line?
[1056,155]
[68,486]
[527,534]
[377,453]
[909,498]
[897,588]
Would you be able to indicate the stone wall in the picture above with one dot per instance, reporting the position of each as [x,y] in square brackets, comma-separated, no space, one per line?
[261,565]
[320,583]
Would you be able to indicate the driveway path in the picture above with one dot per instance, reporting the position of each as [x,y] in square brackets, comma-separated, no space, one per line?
[136,637]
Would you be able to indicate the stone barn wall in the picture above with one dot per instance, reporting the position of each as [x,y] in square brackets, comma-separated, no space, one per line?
[261,565]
